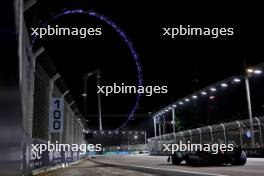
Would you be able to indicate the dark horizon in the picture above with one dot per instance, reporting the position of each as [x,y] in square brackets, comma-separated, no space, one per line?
[184,64]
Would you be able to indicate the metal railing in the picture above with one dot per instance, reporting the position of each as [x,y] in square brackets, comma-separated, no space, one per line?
[235,132]
[38,87]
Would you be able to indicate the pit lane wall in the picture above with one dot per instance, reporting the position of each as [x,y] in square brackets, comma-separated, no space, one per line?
[235,132]
[40,82]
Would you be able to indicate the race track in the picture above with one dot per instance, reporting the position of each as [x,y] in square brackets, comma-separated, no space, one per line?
[157,165]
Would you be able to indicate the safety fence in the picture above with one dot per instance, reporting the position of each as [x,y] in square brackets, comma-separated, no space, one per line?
[235,132]
[72,127]
[40,84]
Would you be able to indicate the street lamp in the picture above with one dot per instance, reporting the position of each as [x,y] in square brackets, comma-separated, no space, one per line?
[249,72]
[257,71]
[194,96]
[249,108]
[85,77]
[213,89]
[203,93]
[236,80]
[224,85]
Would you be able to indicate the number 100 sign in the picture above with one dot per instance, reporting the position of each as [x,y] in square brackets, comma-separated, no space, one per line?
[56,115]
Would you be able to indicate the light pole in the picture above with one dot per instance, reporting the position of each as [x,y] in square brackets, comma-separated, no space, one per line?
[85,77]
[99,101]
[145,137]
[249,110]
[248,73]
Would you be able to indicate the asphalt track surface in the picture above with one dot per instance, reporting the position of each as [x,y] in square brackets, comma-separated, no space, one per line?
[157,165]
[88,168]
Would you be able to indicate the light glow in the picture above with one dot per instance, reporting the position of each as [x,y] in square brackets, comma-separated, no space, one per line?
[224,85]
[257,71]
[203,93]
[236,80]
[213,89]
[195,96]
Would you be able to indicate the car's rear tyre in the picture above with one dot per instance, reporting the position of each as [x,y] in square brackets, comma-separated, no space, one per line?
[239,160]
[190,161]
[176,158]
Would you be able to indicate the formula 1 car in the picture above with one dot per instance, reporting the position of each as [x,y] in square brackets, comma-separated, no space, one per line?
[205,158]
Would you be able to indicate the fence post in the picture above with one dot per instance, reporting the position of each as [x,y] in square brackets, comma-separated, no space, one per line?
[224,130]
[174,138]
[190,135]
[240,134]
[260,132]
[173,120]
[200,134]
[159,128]
[182,136]
[63,95]
[51,90]
[164,124]
[211,132]
[155,126]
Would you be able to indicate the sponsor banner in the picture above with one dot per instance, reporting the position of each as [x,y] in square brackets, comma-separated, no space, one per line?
[35,159]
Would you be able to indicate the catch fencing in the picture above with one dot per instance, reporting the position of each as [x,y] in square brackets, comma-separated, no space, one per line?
[38,88]
[235,132]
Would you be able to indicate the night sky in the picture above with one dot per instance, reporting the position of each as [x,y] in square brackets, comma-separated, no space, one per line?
[184,64]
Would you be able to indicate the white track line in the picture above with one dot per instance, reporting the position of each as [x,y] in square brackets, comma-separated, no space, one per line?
[173,170]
